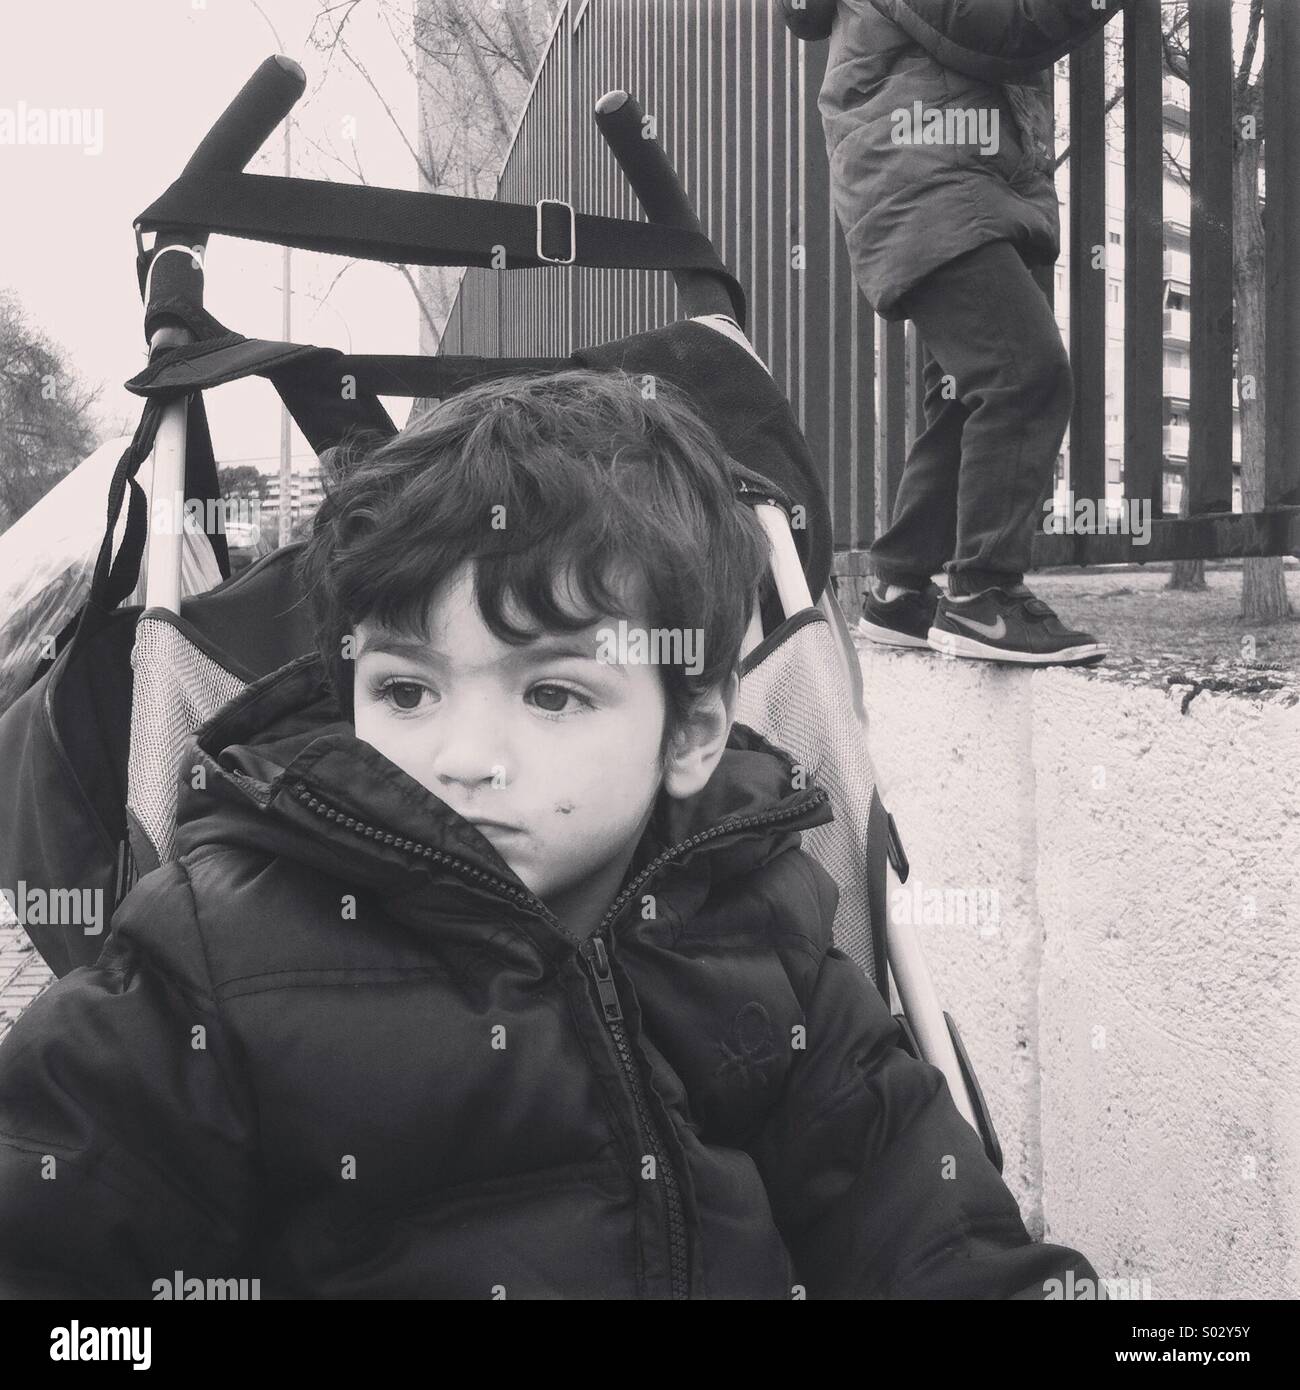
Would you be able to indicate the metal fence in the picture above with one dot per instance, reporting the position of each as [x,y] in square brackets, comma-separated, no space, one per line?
[733,98]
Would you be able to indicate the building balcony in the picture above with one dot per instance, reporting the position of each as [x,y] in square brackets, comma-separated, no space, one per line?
[1178,384]
[1178,265]
[1178,437]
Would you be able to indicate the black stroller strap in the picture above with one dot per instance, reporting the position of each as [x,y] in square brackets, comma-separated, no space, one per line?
[229,356]
[391,224]
[332,395]
[189,367]
[329,394]
[436,377]
[116,575]
[326,406]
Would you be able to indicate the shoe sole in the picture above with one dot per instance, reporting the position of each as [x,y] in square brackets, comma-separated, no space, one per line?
[890,637]
[958,644]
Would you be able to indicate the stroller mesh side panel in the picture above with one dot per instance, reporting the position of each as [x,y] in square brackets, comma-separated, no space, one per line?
[795,698]
[177,688]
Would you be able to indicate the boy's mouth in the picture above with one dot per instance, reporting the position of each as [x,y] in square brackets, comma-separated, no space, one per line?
[485,825]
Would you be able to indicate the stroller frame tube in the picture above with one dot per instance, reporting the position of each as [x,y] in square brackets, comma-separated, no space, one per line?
[163,558]
[907,963]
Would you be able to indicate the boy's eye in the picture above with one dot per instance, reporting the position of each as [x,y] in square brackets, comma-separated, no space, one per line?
[551,698]
[403,695]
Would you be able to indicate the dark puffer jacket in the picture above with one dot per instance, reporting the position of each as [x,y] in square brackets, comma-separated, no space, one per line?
[338,1047]
[908,208]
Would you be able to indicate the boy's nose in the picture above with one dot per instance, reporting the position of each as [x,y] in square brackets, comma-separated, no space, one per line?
[472,753]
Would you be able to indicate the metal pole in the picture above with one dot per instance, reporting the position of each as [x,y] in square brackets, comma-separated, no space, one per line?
[286,464]
[286,331]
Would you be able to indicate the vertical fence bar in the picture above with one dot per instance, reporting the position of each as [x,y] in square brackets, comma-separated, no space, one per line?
[916,355]
[581,99]
[571,192]
[1282,253]
[1209,455]
[762,318]
[625,75]
[714,210]
[1045,275]
[779,211]
[719,203]
[819,388]
[893,415]
[741,136]
[672,114]
[1143,255]
[639,76]
[799,249]
[861,390]
[1088,269]
[787,204]
[844,454]
[659,301]
[699,124]
[599,39]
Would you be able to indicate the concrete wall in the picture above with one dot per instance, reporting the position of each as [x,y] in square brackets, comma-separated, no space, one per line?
[1122,952]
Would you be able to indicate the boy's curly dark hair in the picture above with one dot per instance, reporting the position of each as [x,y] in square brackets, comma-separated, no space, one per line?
[531,477]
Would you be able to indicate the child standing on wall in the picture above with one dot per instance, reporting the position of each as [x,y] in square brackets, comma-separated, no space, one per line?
[939,131]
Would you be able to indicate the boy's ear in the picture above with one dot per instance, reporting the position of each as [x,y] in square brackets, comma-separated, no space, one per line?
[695,748]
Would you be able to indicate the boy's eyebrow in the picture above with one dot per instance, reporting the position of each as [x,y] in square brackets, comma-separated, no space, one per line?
[543,649]
[398,646]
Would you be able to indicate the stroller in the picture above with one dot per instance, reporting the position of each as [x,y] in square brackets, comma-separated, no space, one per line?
[94,744]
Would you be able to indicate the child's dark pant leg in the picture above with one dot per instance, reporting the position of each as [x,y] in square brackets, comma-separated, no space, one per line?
[993,334]
[922,533]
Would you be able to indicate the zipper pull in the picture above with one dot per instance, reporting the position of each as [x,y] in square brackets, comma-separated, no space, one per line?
[598,960]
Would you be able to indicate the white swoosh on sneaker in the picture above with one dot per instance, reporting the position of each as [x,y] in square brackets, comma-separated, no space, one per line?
[996,631]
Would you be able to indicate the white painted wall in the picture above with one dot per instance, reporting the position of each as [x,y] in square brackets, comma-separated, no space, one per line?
[1129,983]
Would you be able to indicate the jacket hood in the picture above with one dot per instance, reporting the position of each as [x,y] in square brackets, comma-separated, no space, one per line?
[285,773]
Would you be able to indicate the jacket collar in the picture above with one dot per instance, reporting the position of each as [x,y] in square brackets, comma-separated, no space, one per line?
[284,771]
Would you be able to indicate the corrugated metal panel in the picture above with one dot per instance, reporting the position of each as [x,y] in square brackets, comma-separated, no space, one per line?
[733,99]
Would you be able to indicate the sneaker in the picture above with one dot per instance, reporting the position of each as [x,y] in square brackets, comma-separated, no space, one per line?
[1009,624]
[903,621]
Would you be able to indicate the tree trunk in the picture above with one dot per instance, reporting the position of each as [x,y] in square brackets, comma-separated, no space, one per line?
[1188,575]
[1263,580]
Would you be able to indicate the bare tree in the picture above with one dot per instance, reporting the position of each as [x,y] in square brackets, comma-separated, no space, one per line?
[46,424]
[471,63]
[1263,583]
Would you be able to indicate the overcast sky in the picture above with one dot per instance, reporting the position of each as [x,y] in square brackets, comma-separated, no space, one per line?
[160,71]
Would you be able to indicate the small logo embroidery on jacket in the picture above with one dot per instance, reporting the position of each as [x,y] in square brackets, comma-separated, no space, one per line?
[748,1050]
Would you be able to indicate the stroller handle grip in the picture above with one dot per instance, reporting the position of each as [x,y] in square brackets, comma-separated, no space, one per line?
[243,127]
[659,190]
[235,137]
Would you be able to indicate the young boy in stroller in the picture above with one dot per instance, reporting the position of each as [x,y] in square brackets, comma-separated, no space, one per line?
[490,965]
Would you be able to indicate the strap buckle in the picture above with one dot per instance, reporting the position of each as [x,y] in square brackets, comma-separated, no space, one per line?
[573,232]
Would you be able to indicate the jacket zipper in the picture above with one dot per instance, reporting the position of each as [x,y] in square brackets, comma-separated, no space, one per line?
[598,961]
[593,951]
